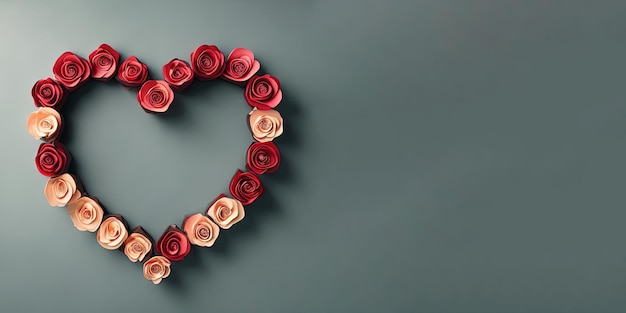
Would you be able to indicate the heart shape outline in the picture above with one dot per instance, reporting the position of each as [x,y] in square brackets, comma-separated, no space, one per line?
[63,189]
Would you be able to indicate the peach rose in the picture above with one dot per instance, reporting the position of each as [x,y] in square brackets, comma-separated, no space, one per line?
[112,233]
[44,124]
[200,230]
[62,190]
[156,269]
[265,125]
[138,245]
[86,214]
[225,211]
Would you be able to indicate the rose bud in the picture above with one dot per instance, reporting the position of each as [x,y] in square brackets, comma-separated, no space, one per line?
[132,73]
[49,93]
[138,245]
[178,74]
[200,230]
[156,269]
[103,62]
[226,211]
[155,96]
[263,157]
[86,214]
[52,159]
[207,62]
[245,187]
[113,232]
[241,65]
[62,190]
[263,92]
[44,124]
[265,125]
[173,244]
[71,70]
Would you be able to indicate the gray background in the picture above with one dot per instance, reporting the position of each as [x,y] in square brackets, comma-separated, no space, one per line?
[439,156]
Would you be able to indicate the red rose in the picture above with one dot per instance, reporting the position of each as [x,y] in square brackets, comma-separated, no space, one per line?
[263,92]
[155,96]
[245,187]
[178,74]
[263,157]
[207,62]
[49,93]
[241,65]
[103,62]
[173,244]
[52,159]
[71,70]
[132,73]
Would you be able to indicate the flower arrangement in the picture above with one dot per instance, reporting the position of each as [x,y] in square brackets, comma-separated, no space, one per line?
[207,63]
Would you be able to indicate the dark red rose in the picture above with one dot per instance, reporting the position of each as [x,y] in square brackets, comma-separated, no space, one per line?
[52,159]
[71,70]
[178,74]
[132,73]
[245,187]
[103,62]
[49,93]
[263,157]
[207,62]
[263,92]
[155,96]
[173,244]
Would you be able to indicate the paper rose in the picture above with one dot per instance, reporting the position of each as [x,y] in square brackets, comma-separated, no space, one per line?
[265,125]
[200,230]
[52,159]
[226,211]
[62,190]
[44,124]
[49,93]
[241,65]
[263,92]
[132,73]
[263,157]
[138,245]
[103,62]
[71,70]
[86,214]
[156,269]
[178,74]
[207,62]
[173,244]
[245,187]
[155,96]
[112,232]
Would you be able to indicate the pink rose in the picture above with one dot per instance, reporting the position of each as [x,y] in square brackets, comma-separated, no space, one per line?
[178,74]
[49,93]
[44,124]
[241,65]
[200,230]
[155,96]
[71,70]
[113,232]
[265,125]
[263,92]
[86,213]
[156,269]
[138,245]
[62,190]
[132,73]
[226,211]
[103,62]
[207,62]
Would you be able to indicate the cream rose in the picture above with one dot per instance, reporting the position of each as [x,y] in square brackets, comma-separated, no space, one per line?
[112,233]
[62,190]
[156,268]
[137,245]
[265,124]
[200,230]
[86,214]
[44,124]
[225,211]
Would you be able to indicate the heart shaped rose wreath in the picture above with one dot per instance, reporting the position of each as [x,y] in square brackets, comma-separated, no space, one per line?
[63,189]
